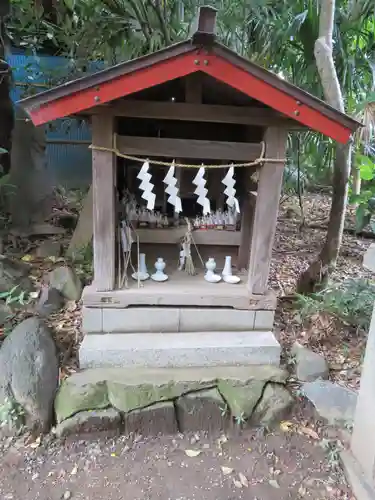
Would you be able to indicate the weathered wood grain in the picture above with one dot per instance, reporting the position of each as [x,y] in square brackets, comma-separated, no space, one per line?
[191,111]
[103,183]
[266,208]
[188,148]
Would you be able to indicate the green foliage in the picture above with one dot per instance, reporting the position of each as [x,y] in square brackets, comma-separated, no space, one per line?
[366,199]
[83,261]
[351,301]
[15,295]
[278,34]
[12,415]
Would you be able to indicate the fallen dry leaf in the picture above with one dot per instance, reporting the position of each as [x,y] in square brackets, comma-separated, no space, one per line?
[301,491]
[237,483]
[286,426]
[309,432]
[192,453]
[36,443]
[226,470]
[274,483]
[243,480]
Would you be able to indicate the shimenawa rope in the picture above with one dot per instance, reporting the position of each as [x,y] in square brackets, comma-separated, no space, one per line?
[118,153]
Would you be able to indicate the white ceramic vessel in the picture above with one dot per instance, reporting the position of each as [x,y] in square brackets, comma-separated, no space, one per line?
[210,275]
[233,280]
[142,273]
[227,272]
[159,275]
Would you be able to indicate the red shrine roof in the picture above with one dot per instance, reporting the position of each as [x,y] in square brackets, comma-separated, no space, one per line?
[200,53]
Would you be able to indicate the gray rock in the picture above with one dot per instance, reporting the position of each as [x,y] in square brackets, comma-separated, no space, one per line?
[309,365]
[14,273]
[49,248]
[275,403]
[50,301]
[29,372]
[334,403]
[65,280]
[5,313]
[89,422]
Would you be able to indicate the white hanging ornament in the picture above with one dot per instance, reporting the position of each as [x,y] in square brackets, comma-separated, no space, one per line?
[146,186]
[201,191]
[170,180]
[230,191]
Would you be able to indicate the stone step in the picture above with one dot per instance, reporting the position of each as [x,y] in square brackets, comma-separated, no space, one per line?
[173,319]
[164,350]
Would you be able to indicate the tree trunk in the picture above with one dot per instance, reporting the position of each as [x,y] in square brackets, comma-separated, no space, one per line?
[356,176]
[32,197]
[318,272]
[6,106]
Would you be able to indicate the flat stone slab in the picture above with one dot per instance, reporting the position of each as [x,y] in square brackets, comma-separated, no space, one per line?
[90,422]
[159,418]
[334,403]
[171,319]
[309,365]
[179,349]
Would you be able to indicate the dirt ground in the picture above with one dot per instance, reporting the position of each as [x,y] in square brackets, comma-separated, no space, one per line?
[296,461]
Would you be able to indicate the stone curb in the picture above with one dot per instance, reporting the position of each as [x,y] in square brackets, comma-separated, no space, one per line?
[91,402]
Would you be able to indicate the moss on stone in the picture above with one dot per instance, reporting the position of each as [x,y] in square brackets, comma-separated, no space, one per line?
[131,397]
[73,398]
[241,399]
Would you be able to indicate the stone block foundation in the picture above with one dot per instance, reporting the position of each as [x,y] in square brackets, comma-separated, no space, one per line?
[153,401]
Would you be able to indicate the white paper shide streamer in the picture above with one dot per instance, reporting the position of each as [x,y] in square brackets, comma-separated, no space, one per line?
[201,191]
[146,186]
[172,190]
[230,191]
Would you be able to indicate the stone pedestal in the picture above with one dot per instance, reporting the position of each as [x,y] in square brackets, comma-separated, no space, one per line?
[359,461]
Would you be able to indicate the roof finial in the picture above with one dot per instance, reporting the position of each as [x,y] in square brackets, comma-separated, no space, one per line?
[205,33]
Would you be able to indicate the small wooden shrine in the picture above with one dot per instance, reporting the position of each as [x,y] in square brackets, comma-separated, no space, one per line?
[188,150]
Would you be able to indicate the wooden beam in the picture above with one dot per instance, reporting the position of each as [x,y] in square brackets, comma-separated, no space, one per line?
[266,208]
[187,148]
[212,113]
[103,182]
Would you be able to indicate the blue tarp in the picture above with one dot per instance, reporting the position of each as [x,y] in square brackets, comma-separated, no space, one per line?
[70,164]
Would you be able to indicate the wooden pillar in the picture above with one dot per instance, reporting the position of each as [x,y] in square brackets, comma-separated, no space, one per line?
[266,209]
[103,183]
[247,219]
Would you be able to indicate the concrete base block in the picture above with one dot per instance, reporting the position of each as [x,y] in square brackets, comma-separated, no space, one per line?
[173,319]
[215,320]
[92,319]
[362,489]
[264,320]
[179,349]
[141,320]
